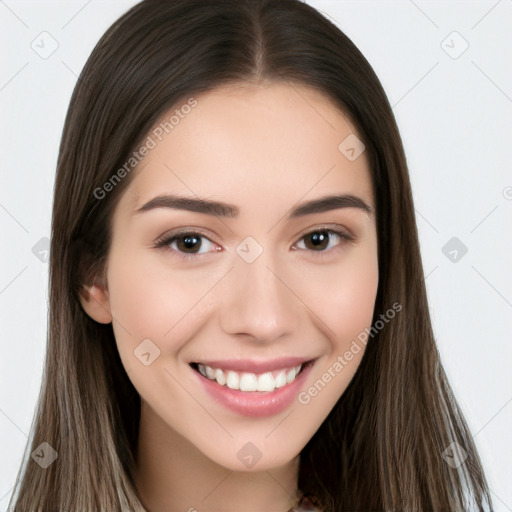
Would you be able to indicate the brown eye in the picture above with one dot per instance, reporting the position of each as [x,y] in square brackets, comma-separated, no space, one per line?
[320,240]
[188,243]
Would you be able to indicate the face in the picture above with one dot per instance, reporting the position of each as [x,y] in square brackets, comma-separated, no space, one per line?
[265,287]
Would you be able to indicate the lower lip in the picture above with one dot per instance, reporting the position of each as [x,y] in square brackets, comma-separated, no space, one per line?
[255,404]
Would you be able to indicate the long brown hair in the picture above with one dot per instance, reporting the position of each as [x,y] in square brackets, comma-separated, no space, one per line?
[381,446]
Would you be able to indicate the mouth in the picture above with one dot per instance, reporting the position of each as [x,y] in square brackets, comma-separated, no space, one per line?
[246,381]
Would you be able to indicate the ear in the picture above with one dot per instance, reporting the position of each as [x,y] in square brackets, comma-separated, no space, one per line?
[95,301]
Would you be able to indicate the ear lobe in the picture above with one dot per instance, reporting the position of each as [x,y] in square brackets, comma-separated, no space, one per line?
[95,302]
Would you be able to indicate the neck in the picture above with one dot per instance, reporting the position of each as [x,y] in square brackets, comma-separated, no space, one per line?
[172,474]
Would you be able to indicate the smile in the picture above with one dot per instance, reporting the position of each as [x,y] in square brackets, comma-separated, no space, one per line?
[254,388]
[246,381]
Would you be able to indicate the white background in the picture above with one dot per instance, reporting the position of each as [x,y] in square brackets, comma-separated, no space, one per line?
[455,117]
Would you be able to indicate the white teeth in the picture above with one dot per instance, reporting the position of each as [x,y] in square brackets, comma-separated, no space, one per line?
[266,382]
[220,377]
[233,380]
[246,381]
[280,380]
[209,372]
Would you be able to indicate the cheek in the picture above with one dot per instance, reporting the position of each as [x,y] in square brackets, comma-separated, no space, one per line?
[150,301]
[353,303]
[342,295]
[344,300]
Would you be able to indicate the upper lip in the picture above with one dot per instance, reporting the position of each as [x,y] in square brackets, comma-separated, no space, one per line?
[255,366]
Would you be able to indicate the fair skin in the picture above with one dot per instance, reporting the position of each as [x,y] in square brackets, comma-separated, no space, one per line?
[265,149]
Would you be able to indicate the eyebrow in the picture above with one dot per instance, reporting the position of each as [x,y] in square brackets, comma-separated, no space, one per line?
[220,209]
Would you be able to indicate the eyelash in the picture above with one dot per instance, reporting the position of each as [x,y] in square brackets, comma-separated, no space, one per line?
[166,240]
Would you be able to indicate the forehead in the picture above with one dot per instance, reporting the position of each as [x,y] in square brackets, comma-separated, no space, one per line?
[251,142]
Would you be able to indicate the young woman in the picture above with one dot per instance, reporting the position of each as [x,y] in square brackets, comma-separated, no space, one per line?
[238,317]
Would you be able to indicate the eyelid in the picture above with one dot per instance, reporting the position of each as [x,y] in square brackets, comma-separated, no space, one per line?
[167,238]
[334,228]
[344,234]
[182,231]
[164,240]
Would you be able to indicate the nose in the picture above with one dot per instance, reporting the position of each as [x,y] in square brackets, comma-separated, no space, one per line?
[258,301]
